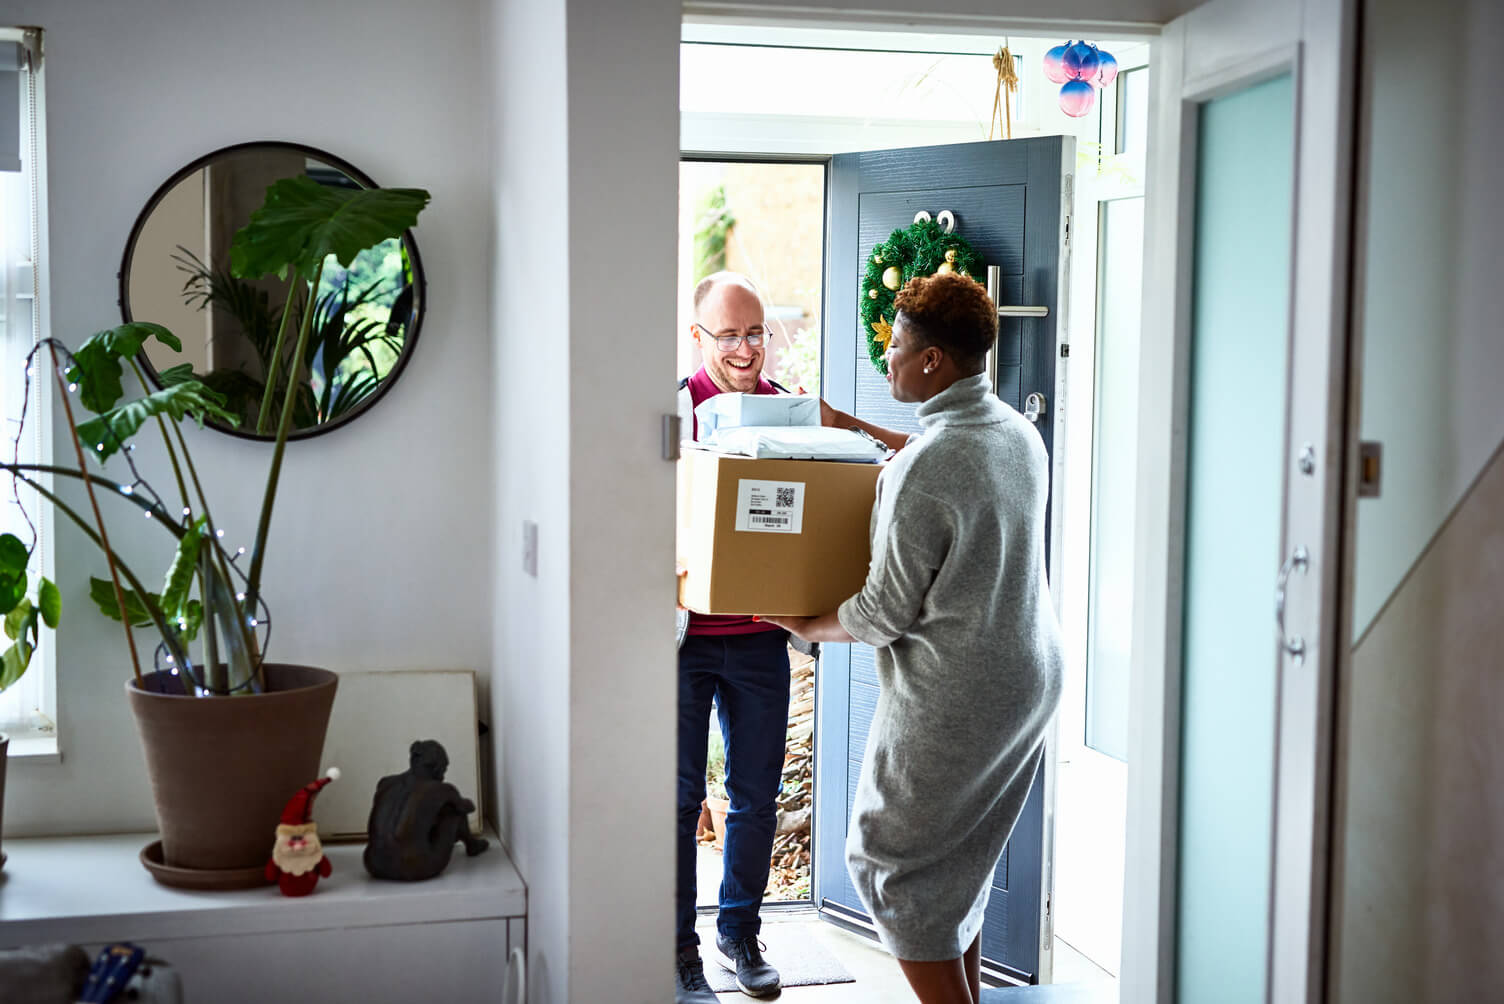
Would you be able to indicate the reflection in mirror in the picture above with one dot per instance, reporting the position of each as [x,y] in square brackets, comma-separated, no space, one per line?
[176,273]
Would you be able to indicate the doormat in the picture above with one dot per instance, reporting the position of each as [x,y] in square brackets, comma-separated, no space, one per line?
[800,959]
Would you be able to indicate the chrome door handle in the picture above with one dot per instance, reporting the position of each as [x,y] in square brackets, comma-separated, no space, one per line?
[1035,406]
[1293,645]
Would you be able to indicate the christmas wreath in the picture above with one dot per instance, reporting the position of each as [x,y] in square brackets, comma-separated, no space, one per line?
[924,248]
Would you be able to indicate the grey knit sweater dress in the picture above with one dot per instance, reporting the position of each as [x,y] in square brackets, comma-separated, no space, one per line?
[969,666]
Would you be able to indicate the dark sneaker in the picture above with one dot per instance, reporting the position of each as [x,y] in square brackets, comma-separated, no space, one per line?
[689,985]
[743,956]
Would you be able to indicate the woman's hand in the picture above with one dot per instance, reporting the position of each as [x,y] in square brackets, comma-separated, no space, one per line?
[824,628]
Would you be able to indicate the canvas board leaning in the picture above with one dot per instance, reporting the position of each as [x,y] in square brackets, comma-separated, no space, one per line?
[376,717]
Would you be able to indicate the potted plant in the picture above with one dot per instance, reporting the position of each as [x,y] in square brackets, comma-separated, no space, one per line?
[227,735]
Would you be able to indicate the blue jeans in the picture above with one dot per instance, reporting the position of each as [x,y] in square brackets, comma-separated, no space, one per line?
[748,675]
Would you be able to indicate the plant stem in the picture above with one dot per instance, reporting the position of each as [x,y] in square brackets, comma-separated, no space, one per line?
[109,557]
[271,367]
[248,635]
[166,441]
[253,588]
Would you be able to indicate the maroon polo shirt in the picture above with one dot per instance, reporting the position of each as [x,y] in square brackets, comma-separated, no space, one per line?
[702,388]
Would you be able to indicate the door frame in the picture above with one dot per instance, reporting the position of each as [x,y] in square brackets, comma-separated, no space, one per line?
[1325,31]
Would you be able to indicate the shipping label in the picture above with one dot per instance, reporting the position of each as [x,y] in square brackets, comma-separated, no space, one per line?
[770,506]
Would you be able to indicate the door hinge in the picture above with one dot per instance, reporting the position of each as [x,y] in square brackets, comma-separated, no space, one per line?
[1067,230]
[1370,469]
[671,437]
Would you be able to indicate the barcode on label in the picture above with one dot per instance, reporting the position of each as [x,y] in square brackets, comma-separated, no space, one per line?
[770,506]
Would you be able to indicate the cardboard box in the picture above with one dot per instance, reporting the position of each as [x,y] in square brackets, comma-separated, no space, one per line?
[777,537]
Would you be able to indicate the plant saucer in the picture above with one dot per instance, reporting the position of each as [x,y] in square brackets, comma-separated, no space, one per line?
[199,878]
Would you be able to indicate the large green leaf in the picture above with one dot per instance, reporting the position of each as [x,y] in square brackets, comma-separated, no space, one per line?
[97,368]
[18,617]
[14,663]
[13,560]
[174,375]
[105,435]
[102,592]
[50,602]
[303,221]
[179,581]
[20,624]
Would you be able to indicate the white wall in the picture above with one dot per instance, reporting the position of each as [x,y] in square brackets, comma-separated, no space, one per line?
[137,89]
[1419,877]
[1430,382]
[585,144]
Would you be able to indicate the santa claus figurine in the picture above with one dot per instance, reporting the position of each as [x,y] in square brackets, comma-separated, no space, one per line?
[298,856]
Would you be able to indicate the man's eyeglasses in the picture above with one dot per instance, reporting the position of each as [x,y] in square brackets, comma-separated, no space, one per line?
[730,343]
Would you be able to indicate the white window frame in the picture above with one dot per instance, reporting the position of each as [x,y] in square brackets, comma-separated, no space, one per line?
[28,710]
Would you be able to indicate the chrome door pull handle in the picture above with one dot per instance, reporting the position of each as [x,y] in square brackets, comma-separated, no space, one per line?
[1294,645]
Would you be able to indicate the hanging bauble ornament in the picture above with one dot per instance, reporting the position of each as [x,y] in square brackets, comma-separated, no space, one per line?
[872,294]
[1076,98]
[1080,62]
[892,277]
[1054,67]
[945,268]
[950,255]
[1107,68]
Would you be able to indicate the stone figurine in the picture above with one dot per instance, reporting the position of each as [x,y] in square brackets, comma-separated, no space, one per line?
[417,818]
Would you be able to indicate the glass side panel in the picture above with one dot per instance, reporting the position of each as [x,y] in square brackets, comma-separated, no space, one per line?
[1116,457]
[1234,494]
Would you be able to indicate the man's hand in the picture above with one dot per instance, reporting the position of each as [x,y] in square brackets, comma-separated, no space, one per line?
[832,417]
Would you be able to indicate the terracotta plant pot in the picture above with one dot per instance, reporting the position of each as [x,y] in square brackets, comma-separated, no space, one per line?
[222,768]
[718,808]
[703,825]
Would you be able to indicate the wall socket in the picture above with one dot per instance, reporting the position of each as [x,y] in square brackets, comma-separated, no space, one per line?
[530,547]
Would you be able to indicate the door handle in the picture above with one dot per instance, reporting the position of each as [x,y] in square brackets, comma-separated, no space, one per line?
[1035,406]
[1292,645]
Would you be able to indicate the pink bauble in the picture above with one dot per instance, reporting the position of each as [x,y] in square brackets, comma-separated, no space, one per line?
[1107,69]
[1080,61]
[1076,98]
[1054,69]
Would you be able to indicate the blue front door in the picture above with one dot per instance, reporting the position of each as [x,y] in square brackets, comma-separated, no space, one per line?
[1008,202]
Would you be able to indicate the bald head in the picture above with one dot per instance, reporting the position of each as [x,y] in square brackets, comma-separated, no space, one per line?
[715,279]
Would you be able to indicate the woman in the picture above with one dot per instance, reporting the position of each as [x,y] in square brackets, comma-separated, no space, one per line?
[968,649]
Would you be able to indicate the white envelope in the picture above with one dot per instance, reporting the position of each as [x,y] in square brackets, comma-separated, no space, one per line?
[731,411]
[797,443]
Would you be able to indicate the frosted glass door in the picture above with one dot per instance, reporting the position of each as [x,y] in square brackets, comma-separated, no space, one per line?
[1234,502]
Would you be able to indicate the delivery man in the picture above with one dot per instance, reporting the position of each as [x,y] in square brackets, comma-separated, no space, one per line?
[744,666]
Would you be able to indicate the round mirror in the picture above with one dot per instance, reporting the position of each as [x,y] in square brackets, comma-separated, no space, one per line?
[176,272]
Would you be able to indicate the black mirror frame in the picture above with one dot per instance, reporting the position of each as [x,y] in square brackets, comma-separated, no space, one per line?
[420,283]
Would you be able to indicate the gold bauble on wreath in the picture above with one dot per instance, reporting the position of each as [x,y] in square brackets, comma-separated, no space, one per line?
[892,277]
[950,255]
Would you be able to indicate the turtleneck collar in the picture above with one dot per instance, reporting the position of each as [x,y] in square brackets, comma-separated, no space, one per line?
[968,401]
